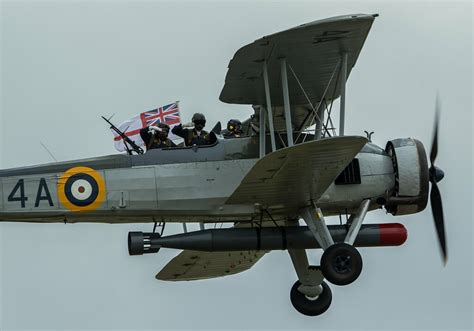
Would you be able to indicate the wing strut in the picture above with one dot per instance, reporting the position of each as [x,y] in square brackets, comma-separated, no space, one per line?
[262,131]
[319,124]
[286,100]
[318,112]
[269,106]
[343,94]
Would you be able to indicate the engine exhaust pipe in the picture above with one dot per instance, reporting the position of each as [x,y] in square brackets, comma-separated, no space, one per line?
[272,238]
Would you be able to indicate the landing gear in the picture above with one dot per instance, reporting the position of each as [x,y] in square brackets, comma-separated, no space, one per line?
[311,306]
[341,264]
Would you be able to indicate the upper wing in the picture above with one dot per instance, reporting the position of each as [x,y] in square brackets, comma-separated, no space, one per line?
[313,50]
[291,177]
[194,265]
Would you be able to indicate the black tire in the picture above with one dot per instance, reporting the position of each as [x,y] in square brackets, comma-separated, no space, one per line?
[311,307]
[341,264]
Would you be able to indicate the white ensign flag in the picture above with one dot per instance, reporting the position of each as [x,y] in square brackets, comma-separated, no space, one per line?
[168,114]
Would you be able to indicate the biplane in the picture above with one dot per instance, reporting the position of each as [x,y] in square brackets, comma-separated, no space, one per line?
[272,187]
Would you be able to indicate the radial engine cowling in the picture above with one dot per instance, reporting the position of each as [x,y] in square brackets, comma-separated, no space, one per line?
[410,164]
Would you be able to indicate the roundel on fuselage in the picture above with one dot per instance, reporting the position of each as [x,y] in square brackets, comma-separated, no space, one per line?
[81,189]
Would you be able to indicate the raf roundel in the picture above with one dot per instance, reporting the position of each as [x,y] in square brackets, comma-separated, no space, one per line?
[81,189]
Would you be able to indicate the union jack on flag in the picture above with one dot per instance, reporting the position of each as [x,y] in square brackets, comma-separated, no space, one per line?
[168,114]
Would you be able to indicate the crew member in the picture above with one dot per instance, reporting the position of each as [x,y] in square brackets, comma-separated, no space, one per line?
[195,136]
[156,136]
[233,130]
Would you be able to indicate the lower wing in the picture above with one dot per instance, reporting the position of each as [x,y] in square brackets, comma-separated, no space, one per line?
[291,177]
[194,265]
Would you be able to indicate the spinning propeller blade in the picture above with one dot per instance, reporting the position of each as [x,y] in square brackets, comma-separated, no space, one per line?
[436,175]
[437,208]
[434,145]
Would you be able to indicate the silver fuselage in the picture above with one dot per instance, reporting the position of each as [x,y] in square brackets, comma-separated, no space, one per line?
[176,185]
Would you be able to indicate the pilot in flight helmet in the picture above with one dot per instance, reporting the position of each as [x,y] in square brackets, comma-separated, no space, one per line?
[165,130]
[199,121]
[234,126]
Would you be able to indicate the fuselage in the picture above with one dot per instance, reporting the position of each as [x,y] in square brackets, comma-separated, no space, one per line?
[171,185]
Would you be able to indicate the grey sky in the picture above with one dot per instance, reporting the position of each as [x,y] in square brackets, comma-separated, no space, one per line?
[64,64]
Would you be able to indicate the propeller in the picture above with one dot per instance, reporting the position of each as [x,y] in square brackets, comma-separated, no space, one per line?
[436,175]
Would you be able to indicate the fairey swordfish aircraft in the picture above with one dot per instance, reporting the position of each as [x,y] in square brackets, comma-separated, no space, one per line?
[291,164]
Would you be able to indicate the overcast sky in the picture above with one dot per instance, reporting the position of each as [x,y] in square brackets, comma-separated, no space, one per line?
[65,64]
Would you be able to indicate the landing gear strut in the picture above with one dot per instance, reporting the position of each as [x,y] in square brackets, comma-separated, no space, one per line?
[311,306]
[310,295]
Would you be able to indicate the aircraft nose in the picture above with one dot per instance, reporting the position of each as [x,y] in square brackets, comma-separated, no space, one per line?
[436,174]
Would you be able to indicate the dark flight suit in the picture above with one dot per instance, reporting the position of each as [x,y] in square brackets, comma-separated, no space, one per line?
[153,141]
[191,137]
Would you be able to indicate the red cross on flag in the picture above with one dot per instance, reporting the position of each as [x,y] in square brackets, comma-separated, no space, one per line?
[168,114]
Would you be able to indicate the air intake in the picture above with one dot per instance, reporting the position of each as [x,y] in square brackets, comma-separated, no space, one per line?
[350,175]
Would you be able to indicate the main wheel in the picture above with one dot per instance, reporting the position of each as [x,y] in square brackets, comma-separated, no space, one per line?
[311,306]
[341,264]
